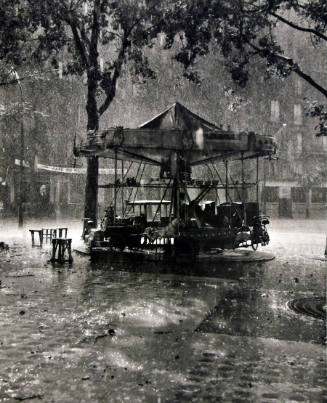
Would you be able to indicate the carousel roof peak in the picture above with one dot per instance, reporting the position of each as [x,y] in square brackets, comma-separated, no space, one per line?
[179,117]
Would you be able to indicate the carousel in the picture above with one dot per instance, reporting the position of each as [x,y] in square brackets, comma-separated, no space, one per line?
[182,221]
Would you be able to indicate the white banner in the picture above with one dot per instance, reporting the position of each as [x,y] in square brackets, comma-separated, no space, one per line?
[65,170]
[69,170]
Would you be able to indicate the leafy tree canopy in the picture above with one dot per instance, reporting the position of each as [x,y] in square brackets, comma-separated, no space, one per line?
[75,34]
[243,31]
[96,38]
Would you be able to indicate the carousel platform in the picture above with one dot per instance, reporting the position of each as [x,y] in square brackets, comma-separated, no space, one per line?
[227,255]
[237,255]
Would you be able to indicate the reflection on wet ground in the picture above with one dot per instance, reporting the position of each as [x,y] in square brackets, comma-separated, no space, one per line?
[261,313]
[120,331]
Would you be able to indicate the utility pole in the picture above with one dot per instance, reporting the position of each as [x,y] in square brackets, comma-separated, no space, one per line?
[22,149]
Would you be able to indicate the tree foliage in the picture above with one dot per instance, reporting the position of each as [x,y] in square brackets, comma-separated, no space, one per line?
[317,110]
[243,30]
[17,26]
[76,35]
[93,38]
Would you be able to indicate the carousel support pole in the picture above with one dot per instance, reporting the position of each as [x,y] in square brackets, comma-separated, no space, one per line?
[175,190]
[122,188]
[264,188]
[226,180]
[175,194]
[257,181]
[177,206]
[243,188]
[115,187]
[171,203]
[242,173]
[177,176]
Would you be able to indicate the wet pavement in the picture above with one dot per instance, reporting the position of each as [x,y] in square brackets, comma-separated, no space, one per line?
[121,332]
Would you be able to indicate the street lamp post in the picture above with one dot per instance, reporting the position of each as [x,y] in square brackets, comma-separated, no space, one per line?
[21,166]
[269,158]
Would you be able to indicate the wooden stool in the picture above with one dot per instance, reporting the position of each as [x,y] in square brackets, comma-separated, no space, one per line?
[40,232]
[58,232]
[47,233]
[61,245]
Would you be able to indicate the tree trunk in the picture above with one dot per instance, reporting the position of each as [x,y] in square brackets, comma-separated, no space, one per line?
[91,190]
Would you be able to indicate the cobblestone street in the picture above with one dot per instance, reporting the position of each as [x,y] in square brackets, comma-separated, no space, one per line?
[112,332]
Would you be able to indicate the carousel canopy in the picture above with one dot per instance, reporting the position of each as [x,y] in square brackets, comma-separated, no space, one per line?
[178,116]
[176,131]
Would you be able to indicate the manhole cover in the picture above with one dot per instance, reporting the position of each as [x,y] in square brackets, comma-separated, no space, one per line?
[315,307]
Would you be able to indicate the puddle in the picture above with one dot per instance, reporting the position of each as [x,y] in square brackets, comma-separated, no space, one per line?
[262,313]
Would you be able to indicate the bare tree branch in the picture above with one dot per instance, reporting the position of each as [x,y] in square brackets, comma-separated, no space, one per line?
[295,67]
[299,28]
[309,80]
[111,89]
[79,44]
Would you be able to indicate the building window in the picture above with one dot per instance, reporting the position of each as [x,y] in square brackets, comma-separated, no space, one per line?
[270,168]
[324,142]
[298,120]
[298,195]
[318,195]
[270,194]
[298,86]
[290,150]
[299,142]
[298,167]
[274,111]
